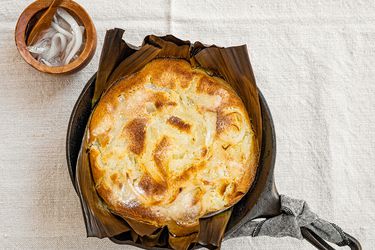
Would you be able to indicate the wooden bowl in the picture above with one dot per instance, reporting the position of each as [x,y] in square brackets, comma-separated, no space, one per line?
[29,17]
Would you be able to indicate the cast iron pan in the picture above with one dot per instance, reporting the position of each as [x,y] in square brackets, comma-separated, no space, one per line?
[262,201]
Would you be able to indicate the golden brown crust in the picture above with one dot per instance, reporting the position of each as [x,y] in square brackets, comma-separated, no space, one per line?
[150,186]
[135,131]
[179,124]
[170,144]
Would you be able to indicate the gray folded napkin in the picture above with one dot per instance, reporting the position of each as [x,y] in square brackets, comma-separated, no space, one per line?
[294,215]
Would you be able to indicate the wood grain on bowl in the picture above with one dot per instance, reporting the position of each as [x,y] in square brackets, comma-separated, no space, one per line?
[29,18]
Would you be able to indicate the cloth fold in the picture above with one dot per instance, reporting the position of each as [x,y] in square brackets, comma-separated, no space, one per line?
[294,215]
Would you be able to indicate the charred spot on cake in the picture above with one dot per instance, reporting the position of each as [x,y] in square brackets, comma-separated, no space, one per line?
[150,186]
[222,121]
[206,182]
[168,73]
[184,77]
[135,130]
[207,85]
[185,175]
[204,152]
[162,77]
[114,177]
[159,104]
[179,124]
[161,100]
[116,180]
[158,154]
[227,121]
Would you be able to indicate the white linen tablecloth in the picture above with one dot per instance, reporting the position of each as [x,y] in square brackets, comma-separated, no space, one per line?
[314,61]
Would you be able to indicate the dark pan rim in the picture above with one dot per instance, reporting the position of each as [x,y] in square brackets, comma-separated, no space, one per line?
[70,127]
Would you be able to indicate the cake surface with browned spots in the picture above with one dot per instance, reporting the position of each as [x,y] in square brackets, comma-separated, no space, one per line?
[170,144]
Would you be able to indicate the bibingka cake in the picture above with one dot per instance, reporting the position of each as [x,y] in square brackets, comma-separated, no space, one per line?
[170,144]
